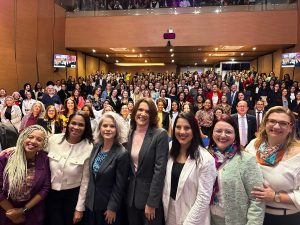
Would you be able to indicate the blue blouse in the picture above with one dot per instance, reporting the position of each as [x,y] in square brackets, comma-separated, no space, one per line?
[98,161]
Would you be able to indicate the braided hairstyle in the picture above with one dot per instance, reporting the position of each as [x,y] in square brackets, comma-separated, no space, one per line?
[15,170]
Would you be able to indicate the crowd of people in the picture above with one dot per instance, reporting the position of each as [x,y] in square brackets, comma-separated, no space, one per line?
[152,4]
[164,148]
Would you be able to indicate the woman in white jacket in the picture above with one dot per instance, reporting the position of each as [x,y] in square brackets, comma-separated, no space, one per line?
[190,176]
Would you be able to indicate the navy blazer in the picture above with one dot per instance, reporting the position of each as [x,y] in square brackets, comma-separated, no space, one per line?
[146,184]
[107,189]
[251,120]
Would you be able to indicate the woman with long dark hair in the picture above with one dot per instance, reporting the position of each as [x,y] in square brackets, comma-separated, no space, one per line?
[190,175]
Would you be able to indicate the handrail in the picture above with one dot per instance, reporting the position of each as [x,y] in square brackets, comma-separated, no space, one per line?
[261,5]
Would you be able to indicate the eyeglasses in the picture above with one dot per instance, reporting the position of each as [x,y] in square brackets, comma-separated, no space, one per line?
[282,124]
[220,131]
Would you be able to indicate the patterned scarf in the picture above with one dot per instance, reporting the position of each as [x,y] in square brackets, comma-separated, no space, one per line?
[220,159]
[269,156]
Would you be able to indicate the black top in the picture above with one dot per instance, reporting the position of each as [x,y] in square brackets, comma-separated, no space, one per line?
[175,174]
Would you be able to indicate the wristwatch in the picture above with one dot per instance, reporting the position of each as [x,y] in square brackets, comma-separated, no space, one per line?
[277,197]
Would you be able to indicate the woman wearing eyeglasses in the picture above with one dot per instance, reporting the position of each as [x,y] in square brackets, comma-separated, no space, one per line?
[238,173]
[278,154]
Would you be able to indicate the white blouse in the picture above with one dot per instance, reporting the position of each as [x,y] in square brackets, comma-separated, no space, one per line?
[285,176]
[69,165]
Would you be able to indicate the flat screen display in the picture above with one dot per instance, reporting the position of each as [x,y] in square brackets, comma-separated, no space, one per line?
[71,61]
[60,61]
[290,59]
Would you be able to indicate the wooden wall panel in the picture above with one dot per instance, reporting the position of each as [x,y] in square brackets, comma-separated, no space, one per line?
[277,62]
[231,28]
[92,65]
[265,64]
[81,63]
[26,41]
[8,72]
[103,66]
[45,44]
[133,70]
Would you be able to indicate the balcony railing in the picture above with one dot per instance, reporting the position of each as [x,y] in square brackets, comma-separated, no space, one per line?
[76,8]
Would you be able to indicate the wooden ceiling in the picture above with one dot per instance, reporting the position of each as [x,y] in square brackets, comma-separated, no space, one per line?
[182,55]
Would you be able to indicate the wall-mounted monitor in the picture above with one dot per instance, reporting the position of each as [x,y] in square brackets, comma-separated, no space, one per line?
[289,59]
[60,61]
[71,61]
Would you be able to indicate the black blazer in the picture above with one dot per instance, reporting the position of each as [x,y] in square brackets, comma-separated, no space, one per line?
[146,184]
[251,120]
[107,189]
[253,112]
[46,125]
[165,120]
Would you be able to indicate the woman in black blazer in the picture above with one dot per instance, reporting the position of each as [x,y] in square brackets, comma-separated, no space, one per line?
[51,121]
[148,147]
[109,166]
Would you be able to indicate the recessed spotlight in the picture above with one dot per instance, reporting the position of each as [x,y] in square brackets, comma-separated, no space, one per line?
[172,55]
[173,60]
[133,50]
[146,61]
[171,50]
[242,53]
[196,64]
[141,55]
[254,48]
[94,50]
[148,50]
[232,60]
[117,61]
[209,54]
[205,60]
[107,55]
[216,49]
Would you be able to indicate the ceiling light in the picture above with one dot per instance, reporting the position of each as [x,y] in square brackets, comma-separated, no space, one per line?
[141,55]
[232,59]
[94,50]
[172,55]
[242,53]
[117,61]
[209,54]
[148,50]
[254,48]
[205,60]
[140,64]
[120,49]
[173,60]
[232,47]
[107,56]
[196,64]
[146,61]
[216,49]
[171,49]
[133,50]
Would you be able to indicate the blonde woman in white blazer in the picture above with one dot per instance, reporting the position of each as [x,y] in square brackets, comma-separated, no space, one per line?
[190,176]
[11,114]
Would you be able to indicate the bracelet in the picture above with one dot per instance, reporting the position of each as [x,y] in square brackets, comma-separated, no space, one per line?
[25,209]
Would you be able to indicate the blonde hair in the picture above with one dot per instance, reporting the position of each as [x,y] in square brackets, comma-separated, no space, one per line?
[15,170]
[262,134]
[122,131]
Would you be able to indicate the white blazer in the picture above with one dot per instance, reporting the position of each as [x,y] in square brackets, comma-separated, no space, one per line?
[194,190]
[16,116]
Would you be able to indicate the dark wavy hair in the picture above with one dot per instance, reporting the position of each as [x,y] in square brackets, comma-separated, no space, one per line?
[195,142]
[227,119]
[87,134]
[153,119]
[66,108]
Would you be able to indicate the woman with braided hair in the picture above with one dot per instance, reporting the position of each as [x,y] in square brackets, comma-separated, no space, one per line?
[25,179]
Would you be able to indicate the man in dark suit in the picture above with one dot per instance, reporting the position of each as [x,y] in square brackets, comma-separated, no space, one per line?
[232,95]
[258,112]
[245,122]
[63,93]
